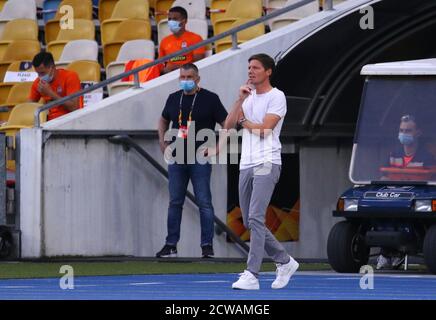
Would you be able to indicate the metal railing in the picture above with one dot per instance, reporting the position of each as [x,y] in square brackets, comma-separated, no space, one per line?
[127,142]
[232,33]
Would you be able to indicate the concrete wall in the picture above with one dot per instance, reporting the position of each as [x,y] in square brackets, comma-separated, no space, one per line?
[88,197]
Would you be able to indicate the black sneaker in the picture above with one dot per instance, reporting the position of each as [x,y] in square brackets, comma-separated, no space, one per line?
[207,251]
[167,252]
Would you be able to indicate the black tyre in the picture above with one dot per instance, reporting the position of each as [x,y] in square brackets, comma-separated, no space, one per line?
[5,242]
[429,249]
[346,248]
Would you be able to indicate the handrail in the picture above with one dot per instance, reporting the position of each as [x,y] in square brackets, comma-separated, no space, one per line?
[127,142]
[232,32]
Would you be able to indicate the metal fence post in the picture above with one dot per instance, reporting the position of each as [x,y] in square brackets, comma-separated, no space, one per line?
[328,5]
[235,41]
[136,80]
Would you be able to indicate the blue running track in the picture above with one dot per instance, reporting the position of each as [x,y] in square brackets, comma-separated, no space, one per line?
[303,286]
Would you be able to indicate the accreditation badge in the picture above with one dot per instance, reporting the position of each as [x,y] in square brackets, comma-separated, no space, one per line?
[183,131]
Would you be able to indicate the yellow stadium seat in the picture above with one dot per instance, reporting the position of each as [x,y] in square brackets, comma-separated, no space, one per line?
[124,9]
[19,50]
[83,29]
[82,10]
[238,9]
[131,29]
[120,87]
[88,71]
[20,117]
[18,29]
[161,9]
[105,9]
[19,93]
[5,89]
[16,66]
[218,9]
[243,35]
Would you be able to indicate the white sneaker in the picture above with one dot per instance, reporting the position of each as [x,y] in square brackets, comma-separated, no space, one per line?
[246,281]
[383,262]
[284,273]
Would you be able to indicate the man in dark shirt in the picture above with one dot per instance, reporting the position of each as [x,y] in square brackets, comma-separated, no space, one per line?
[190,110]
[410,155]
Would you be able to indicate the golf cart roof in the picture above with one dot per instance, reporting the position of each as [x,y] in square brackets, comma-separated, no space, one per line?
[401,68]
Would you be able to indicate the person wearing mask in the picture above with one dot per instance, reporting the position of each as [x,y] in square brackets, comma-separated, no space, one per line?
[53,84]
[409,154]
[179,39]
[190,110]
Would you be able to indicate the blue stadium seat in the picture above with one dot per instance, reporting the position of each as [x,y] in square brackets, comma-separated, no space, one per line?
[49,9]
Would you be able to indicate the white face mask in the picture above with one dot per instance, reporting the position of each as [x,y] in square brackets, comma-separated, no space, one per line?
[174,26]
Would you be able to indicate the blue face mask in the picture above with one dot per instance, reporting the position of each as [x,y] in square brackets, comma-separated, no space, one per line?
[187,85]
[174,26]
[46,78]
[406,139]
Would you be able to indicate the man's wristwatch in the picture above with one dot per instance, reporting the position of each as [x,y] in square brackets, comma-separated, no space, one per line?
[241,121]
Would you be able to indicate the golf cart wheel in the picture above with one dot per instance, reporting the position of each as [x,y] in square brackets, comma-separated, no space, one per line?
[346,248]
[5,242]
[429,249]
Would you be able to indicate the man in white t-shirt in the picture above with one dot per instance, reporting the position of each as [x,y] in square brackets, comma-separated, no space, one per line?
[260,110]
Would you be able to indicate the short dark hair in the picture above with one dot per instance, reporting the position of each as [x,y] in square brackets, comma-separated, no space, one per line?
[45,58]
[180,10]
[266,61]
[189,66]
[409,118]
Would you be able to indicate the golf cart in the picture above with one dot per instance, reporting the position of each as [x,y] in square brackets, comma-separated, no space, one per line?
[393,166]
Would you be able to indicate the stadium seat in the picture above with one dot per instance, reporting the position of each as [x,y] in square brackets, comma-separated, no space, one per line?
[131,29]
[89,74]
[243,35]
[83,29]
[198,26]
[161,9]
[124,9]
[82,10]
[20,117]
[272,5]
[130,50]
[294,15]
[88,71]
[78,50]
[20,71]
[18,29]
[49,9]
[105,9]
[218,9]
[19,93]
[23,9]
[18,50]
[196,8]
[238,9]
[119,87]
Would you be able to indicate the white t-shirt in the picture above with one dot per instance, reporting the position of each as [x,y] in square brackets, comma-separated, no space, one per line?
[257,150]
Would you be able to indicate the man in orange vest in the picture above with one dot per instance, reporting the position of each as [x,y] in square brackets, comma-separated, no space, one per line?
[179,39]
[53,84]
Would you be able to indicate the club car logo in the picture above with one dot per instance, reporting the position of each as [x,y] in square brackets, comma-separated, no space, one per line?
[387,195]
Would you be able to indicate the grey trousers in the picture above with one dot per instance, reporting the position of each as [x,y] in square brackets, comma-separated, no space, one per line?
[256,186]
